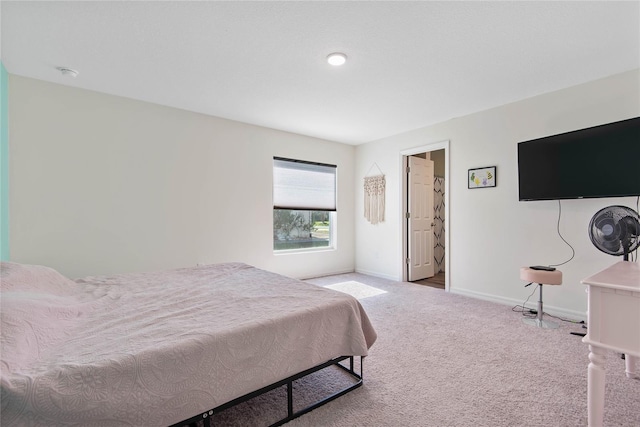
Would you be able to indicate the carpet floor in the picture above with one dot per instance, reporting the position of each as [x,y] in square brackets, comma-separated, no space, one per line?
[447,360]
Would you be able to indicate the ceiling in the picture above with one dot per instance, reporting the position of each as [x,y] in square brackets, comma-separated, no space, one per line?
[410,64]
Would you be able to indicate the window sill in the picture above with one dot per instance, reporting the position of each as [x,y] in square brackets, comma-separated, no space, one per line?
[303,251]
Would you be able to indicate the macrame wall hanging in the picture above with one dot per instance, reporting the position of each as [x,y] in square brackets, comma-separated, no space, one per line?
[374,187]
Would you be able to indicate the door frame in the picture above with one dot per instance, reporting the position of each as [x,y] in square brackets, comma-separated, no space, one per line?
[404,154]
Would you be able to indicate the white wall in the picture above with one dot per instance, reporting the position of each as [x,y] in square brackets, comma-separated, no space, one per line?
[491,233]
[101,184]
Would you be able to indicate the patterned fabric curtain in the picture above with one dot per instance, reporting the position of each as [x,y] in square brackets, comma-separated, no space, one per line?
[374,198]
[438,229]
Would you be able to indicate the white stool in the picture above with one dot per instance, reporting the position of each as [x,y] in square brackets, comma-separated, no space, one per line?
[541,277]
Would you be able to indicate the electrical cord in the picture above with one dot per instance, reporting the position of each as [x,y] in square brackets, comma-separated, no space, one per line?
[532,314]
[634,254]
[578,322]
[573,251]
[524,310]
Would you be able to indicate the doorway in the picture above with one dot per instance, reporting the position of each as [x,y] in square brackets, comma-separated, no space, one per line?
[438,214]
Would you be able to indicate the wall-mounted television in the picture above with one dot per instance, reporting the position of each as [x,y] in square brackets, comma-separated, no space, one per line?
[600,161]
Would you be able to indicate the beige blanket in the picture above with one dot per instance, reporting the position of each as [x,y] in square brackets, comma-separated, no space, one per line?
[156,348]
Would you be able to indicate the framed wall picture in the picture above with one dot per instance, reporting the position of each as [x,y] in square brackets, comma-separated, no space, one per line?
[482,177]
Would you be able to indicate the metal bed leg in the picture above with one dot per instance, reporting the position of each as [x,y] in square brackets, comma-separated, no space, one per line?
[290,398]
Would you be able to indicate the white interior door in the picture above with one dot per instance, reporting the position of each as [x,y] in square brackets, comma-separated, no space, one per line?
[420,219]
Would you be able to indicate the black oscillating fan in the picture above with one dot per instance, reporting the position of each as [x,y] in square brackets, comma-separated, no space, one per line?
[615,230]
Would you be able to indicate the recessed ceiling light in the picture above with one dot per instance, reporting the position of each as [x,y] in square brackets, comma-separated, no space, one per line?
[67,71]
[336,59]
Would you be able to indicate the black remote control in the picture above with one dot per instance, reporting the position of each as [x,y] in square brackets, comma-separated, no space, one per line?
[542,267]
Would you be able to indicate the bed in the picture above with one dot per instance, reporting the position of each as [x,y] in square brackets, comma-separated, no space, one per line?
[162,348]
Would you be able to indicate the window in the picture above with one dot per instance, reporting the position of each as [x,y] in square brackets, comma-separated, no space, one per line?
[304,204]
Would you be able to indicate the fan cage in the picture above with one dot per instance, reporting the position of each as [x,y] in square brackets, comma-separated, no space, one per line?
[615,230]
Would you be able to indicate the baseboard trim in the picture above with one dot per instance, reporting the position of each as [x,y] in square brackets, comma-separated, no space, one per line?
[334,273]
[556,311]
[378,274]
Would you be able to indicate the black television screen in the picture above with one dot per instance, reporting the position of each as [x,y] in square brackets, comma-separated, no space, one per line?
[601,161]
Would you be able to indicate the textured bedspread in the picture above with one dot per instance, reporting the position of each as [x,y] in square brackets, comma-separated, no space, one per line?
[152,349]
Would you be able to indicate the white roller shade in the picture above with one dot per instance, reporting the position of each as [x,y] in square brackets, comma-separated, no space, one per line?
[301,185]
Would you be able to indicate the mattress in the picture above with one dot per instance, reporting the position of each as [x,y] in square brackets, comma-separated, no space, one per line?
[160,347]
